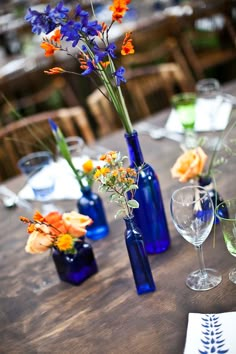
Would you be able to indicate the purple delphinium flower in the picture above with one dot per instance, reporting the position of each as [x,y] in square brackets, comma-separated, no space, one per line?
[90,68]
[48,20]
[119,75]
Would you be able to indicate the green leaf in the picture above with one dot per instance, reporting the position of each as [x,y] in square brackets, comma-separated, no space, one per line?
[119,212]
[132,187]
[133,203]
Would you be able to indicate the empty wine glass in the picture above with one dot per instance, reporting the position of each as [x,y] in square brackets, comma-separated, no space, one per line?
[226,213]
[192,212]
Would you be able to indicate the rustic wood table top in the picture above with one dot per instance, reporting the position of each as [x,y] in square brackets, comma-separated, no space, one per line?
[104,315]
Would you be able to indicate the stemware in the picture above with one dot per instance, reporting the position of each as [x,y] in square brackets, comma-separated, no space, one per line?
[37,167]
[192,212]
[226,213]
[184,105]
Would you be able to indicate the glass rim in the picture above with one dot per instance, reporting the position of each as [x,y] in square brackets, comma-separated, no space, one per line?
[219,206]
[190,187]
[182,96]
[23,159]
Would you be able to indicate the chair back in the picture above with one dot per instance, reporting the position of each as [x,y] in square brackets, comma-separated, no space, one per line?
[33,133]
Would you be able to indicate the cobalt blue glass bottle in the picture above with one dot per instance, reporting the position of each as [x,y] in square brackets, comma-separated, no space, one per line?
[150,216]
[138,258]
[207,183]
[90,204]
[75,268]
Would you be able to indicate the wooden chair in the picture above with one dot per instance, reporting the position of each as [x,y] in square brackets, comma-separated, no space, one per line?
[34,134]
[151,88]
[208,49]
[31,93]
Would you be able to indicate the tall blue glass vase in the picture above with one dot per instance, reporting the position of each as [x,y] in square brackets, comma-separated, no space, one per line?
[91,204]
[138,258]
[75,268]
[207,183]
[150,216]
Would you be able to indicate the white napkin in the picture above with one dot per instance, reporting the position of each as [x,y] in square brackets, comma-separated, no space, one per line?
[205,119]
[211,333]
[66,185]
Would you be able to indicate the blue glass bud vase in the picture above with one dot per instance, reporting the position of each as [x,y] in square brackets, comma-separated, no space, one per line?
[150,216]
[138,258]
[75,268]
[91,204]
[207,183]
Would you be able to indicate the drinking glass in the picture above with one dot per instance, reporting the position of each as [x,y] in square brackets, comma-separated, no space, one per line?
[228,225]
[185,107]
[37,167]
[192,212]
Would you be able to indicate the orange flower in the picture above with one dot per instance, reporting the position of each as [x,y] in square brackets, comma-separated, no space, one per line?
[189,165]
[76,223]
[38,242]
[54,71]
[38,216]
[127,46]
[54,218]
[119,9]
[105,64]
[49,48]
[88,166]
[56,37]
[64,242]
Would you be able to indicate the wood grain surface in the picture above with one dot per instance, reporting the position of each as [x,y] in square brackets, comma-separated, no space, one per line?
[104,315]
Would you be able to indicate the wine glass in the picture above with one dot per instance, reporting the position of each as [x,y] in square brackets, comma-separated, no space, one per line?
[226,213]
[192,212]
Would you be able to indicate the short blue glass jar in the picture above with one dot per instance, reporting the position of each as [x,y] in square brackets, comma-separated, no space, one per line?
[75,268]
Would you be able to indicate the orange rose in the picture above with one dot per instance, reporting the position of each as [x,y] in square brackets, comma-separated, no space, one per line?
[76,223]
[38,242]
[189,165]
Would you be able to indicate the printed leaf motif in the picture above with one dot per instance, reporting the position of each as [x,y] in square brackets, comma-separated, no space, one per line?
[212,340]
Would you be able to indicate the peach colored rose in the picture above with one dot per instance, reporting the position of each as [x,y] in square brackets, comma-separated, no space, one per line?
[38,242]
[189,165]
[76,223]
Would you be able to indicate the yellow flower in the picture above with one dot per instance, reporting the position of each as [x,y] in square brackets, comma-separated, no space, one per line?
[64,242]
[88,166]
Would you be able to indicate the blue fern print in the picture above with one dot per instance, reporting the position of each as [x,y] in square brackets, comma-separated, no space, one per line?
[212,340]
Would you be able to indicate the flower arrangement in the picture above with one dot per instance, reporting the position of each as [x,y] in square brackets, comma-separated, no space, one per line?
[84,176]
[94,51]
[55,230]
[120,182]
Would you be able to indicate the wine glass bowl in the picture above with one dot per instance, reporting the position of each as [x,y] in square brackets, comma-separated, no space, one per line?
[226,213]
[192,212]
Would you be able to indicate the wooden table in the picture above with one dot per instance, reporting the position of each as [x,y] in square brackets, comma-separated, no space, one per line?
[104,315]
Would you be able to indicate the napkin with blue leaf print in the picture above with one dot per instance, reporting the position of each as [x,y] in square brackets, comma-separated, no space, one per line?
[211,333]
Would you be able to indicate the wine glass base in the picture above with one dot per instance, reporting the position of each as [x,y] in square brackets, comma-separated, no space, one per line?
[199,281]
[232,275]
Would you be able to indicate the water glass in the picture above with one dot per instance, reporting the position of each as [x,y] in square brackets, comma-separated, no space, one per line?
[226,213]
[37,167]
[185,107]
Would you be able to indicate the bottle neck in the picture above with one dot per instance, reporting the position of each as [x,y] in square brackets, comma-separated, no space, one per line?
[134,149]
[129,221]
[86,190]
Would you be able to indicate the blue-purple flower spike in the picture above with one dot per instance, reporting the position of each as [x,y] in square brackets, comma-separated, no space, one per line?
[53,125]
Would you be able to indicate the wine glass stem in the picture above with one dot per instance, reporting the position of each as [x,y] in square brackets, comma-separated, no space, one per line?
[201,260]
